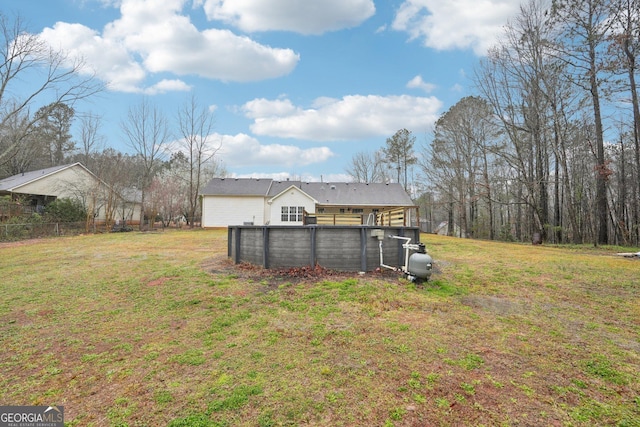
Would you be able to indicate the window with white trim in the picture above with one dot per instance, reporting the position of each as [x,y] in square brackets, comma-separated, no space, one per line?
[291,213]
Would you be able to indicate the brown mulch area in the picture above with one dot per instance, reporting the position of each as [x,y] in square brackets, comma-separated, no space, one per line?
[249,271]
[297,273]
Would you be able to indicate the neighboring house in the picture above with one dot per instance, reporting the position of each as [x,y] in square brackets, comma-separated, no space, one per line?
[39,188]
[443,229]
[128,209]
[238,201]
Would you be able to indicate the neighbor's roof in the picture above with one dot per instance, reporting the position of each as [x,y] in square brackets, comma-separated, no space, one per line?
[326,193]
[11,183]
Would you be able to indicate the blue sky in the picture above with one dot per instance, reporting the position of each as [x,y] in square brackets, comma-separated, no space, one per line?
[297,86]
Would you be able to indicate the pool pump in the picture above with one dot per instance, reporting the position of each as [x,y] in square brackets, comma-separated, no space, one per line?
[418,265]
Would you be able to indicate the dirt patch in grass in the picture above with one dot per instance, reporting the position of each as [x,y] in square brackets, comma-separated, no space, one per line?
[19,243]
[158,282]
[497,305]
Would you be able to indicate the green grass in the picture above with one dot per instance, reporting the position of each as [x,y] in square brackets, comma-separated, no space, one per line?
[137,329]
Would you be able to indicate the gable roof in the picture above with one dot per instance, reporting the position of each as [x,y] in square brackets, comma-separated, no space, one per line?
[285,190]
[325,193]
[11,183]
[237,187]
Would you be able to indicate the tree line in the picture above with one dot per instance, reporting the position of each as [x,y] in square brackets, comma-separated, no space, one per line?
[171,159]
[165,171]
[549,147]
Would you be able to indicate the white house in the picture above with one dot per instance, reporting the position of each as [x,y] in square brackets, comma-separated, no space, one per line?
[238,201]
[73,181]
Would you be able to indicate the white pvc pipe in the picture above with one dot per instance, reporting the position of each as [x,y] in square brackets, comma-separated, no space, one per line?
[382,264]
[406,247]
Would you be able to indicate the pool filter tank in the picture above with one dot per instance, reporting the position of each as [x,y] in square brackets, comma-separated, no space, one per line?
[420,263]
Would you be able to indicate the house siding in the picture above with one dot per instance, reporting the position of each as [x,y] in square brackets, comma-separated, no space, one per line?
[222,211]
[73,183]
[68,183]
[225,200]
[290,197]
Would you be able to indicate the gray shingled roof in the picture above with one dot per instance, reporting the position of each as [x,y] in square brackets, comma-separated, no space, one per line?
[237,187]
[15,181]
[325,193]
[350,193]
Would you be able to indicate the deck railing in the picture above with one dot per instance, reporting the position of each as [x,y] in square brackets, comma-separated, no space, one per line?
[339,219]
[393,218]
[399,217]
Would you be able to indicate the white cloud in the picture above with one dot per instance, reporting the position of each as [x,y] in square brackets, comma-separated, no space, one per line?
[110,60]
[455,24]
[155,37]
[243,150]
[352,117]
[259,108]
[418,83]
[305,17]
[164,86]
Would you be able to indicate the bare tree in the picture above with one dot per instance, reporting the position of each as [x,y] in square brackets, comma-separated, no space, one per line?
[524,78]
[119,172]
[196,126]
[146,131]
[169,196]
[27,152]
[90,138]
[367,167]
[54,77]
[460,159]
[585,25]
[625,51]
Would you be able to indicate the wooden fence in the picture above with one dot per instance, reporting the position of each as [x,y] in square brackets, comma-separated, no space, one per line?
[400,217]
[393,218]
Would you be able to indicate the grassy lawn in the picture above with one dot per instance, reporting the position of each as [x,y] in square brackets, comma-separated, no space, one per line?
[153,329]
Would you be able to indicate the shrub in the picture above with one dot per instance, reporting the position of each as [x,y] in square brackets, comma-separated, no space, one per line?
[65,210]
